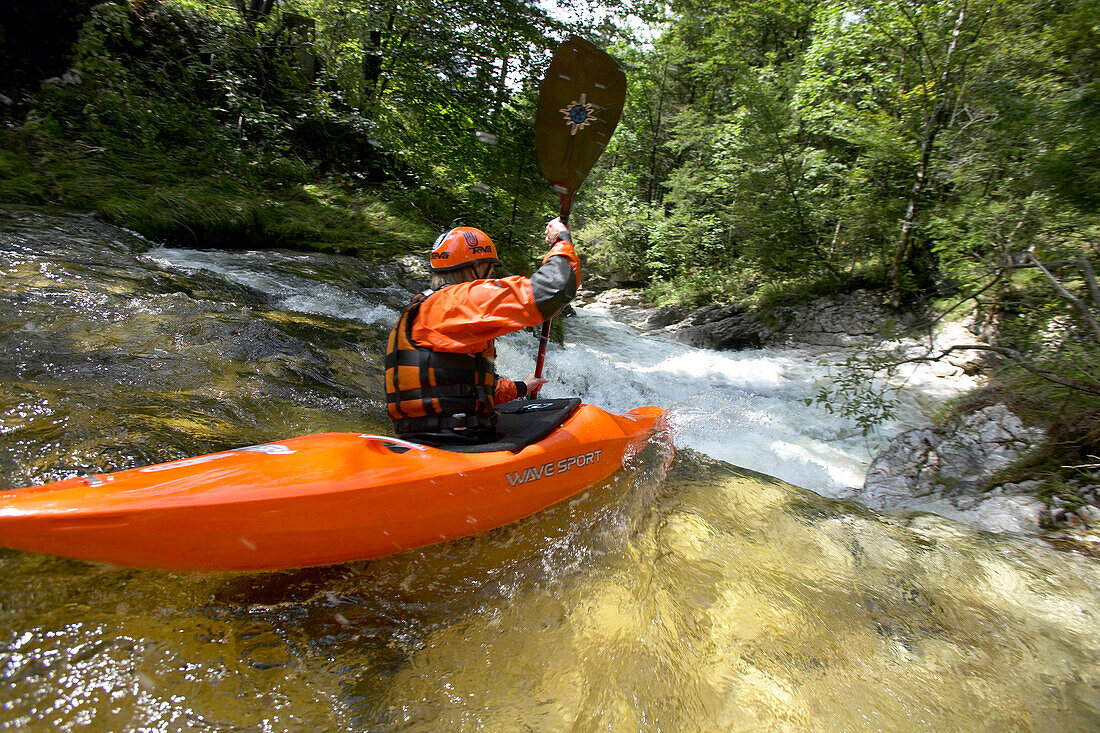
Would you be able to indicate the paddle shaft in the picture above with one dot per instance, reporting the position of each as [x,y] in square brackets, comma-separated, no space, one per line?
[566,200]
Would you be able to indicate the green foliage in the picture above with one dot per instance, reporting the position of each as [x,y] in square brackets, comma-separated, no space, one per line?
[192,126]
[618,234]
[811,137]
[863,390]
[1071,164]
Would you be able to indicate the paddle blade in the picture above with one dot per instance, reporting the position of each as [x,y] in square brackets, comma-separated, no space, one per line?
[580,103]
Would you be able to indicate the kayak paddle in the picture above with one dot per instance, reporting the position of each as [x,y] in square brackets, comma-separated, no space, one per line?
[580,103]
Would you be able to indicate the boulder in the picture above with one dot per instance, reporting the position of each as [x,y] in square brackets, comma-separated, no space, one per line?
[947,470]
[848,319]
[854,318]
[622,304]
[664,316]
[723,327]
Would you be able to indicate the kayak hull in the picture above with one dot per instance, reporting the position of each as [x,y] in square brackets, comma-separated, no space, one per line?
[313,500]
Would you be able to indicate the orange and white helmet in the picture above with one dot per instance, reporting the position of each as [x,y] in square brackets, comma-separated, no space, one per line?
[462,247]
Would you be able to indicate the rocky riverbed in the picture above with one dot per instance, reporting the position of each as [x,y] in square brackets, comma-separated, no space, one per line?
[949,469]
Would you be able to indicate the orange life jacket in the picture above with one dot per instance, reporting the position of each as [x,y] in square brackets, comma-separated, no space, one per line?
[434,391]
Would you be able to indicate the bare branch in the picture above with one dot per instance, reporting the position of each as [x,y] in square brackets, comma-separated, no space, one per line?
[1048,263]
[1090,278]
[1090,388]
[1073,300]
[997,275]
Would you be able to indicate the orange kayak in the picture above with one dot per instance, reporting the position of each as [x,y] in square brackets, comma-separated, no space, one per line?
[316,499]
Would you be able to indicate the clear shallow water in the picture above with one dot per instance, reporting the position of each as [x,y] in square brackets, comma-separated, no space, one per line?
[713,598]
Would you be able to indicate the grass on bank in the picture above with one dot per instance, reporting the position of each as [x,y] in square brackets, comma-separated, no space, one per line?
[183,200]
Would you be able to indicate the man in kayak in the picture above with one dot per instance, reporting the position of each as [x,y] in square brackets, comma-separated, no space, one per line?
[441,386]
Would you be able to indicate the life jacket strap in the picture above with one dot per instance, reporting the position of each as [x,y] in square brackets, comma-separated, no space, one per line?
[435,423]
[456,391]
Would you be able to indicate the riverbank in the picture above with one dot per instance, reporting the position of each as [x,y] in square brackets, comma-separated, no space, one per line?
[182,124]
[185,198]
[977,461]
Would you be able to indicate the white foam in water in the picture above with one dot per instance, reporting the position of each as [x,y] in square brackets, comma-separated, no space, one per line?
[294,293]
[748,408]
[329,304]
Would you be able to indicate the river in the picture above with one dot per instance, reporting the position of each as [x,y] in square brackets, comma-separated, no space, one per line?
[732,593]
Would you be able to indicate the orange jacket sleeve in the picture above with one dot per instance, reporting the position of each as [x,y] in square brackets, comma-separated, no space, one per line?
[564,248]
[464,318]
[506,391]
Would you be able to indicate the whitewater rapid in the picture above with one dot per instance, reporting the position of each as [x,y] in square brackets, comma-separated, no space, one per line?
[754,408]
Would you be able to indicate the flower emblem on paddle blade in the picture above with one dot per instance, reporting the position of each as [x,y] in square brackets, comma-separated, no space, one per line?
[579,114]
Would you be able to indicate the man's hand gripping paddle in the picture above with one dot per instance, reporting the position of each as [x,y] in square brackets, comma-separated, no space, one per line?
[580,103]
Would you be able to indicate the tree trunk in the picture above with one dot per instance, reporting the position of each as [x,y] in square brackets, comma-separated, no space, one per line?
[904,245]
[372,64]
[934,121]
[502,84]
[253,11]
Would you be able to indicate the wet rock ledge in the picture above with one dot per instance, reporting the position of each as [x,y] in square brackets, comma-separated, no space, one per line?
[844,320]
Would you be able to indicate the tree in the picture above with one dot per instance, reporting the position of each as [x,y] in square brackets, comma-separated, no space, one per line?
[885,80]
[713,147]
